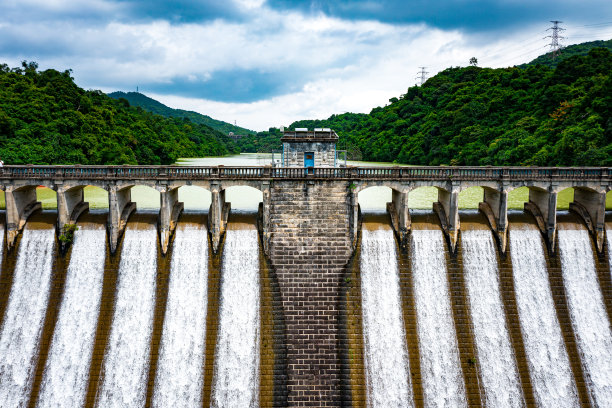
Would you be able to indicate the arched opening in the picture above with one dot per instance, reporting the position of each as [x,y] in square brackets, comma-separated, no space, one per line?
[564,198]
[374,199]
[243,198]
[470,198]
[517,198]
[47,198]
[194,198]
[146,198]
[422,198]
[97,197]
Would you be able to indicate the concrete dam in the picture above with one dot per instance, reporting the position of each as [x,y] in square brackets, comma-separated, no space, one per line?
[309,301]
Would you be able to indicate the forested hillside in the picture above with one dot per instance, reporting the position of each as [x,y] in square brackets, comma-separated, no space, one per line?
[45,118]
[482,116]
[151,105]
[568,52]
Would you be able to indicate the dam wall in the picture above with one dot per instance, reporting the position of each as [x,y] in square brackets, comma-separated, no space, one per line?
[290,293]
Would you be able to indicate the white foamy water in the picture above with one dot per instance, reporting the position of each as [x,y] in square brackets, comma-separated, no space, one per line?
[495,356]
[67,368]
[236,373]
[126,361]
[386,357]
[588,313]
[549,368]
[180,377]
[24,316]
[440,367]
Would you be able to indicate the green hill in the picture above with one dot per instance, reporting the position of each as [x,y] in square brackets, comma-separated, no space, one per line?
[535,115]
[568,52]
[45,118]
[151,105]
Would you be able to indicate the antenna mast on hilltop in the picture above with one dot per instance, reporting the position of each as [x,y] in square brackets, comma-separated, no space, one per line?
[422,75]
[555,37]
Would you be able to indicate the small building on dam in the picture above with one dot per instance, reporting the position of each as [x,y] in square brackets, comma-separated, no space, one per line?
[309,302]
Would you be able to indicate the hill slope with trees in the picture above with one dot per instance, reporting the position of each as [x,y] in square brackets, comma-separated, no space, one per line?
[151,105]
[535,115]
[45,118]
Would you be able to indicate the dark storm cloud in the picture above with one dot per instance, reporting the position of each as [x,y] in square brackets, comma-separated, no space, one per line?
[467,15]
[232,85]
[181,11]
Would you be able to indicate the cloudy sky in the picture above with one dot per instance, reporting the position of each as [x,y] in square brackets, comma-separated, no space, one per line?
[263,63]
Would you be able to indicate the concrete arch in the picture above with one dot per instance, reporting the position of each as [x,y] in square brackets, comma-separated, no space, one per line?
[194,197]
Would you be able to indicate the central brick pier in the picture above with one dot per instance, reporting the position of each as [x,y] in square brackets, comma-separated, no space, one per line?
[309,245]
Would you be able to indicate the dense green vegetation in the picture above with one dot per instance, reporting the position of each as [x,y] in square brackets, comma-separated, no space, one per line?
[262,142]
[482,116]
[151,105]
[45,118]
[568,52]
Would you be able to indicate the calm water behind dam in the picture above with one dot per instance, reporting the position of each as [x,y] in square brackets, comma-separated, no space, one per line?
[137,329]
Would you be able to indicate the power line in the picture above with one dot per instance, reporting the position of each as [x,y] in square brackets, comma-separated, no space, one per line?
[555,46]
[422,75]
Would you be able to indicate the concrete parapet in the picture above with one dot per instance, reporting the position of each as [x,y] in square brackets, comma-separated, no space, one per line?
[543,206]
[169,212]
[70,205]
[217,215]
[591,207]
[20,204]
[400,216]
[495,208]
[447,209]
[120,207]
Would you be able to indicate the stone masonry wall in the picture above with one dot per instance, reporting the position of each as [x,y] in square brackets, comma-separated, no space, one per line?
[309,249]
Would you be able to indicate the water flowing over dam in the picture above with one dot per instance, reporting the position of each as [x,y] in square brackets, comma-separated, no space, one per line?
[386,357]
[497,363]
[312,300]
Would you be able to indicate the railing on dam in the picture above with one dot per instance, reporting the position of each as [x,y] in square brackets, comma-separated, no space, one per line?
[77,172]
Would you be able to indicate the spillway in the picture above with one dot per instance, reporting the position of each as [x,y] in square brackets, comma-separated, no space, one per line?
[588,313]
[24,316]
[496,359]
[236,372]
[386,357]
[126,361]
[548,361]
[65,378]
[180,377]
[440,368]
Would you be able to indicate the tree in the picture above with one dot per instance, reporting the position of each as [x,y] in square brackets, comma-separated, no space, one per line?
[473,61]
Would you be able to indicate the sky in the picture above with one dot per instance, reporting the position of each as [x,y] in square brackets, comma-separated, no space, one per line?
[267,63]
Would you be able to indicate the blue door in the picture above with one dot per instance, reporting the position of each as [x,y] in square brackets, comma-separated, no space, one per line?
[309,162]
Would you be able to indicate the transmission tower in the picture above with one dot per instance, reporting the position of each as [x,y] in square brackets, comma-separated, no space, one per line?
[422,75]
[555,46]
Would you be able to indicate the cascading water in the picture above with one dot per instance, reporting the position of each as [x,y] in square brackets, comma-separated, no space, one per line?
[236,373]
[179,378]
[497,364]
[547,358]
[386,357]
[24,316]
[66,372]
[589,316]
[440,368]
[126,361]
